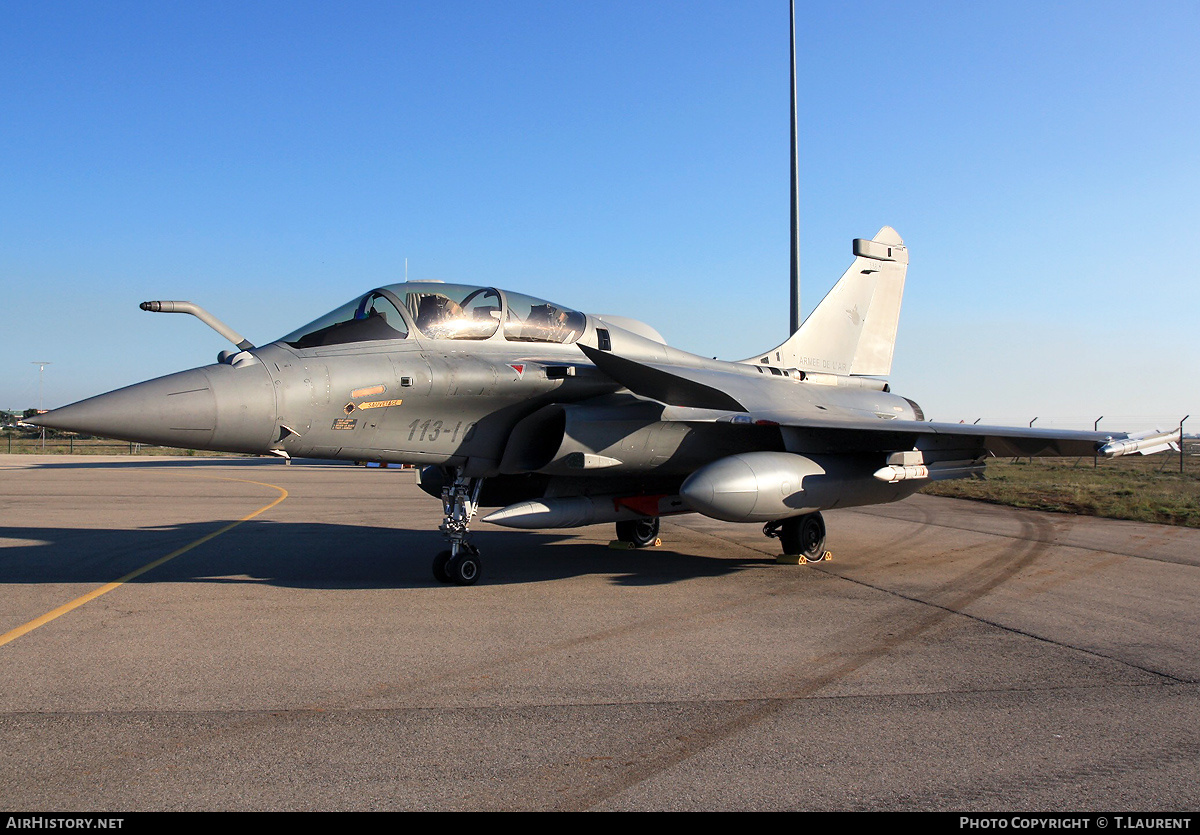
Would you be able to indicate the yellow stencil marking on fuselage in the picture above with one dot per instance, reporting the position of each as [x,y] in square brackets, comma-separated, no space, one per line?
[379,404]
[367,392]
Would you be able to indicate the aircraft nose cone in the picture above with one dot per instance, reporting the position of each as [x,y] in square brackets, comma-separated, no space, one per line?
[204,408]
[176,410]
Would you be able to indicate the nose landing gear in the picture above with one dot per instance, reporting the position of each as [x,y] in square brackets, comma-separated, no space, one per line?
[460,502]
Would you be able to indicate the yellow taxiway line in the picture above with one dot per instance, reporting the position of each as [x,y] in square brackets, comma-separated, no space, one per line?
[12,635]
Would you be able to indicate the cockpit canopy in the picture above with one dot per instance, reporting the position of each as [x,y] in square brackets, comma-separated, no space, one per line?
[440,311]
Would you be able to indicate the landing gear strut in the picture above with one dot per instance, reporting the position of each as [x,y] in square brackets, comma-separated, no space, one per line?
[802,536]
[460,502]
[640,533]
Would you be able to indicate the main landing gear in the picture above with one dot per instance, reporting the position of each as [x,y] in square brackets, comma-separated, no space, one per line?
[639,533]
[460,502]
[801,536]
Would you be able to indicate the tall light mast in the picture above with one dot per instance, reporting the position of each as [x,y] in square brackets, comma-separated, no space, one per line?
[795,301]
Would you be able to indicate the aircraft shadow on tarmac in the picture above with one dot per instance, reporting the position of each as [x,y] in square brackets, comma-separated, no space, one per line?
[133,461]
[315,555]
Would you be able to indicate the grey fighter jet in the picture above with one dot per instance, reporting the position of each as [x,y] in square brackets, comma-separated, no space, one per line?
[561,419]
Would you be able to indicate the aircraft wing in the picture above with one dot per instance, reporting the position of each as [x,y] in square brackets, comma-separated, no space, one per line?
[999,441]
[814,426]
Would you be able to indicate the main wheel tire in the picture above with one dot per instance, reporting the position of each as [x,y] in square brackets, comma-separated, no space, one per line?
[641,533]
[464,570]
[804,536]
[439,567]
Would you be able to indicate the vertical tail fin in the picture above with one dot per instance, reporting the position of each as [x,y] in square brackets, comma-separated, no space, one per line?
[853,329]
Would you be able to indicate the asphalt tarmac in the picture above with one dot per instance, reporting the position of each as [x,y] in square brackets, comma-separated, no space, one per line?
[294,653]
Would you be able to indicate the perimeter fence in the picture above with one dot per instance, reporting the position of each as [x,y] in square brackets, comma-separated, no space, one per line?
[1183,460]
[17,444]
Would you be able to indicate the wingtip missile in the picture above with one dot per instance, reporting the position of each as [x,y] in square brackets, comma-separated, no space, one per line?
[1145,443]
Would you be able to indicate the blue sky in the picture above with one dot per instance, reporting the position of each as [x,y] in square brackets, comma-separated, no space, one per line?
[270,161]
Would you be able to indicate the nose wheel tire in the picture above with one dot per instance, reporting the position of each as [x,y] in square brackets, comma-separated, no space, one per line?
[439,567]
[464,569]
[640,533]
[461,570]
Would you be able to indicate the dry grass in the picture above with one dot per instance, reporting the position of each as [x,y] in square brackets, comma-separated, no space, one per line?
[1139,488]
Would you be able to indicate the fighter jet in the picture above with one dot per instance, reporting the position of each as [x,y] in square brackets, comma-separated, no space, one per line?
[561,419]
